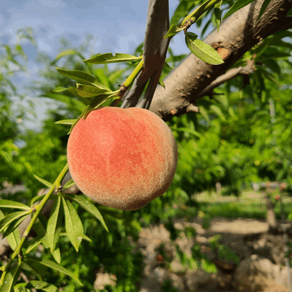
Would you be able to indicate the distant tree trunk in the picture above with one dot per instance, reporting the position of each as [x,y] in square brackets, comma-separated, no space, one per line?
[271,217]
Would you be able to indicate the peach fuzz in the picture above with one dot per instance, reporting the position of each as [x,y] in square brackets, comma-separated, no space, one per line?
[122,158]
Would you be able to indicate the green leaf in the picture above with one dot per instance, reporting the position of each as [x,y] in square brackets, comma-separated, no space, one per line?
[96,103]
[217,13]
[215,109]
[10,279]
[181,10]
[13,238]
[173,30]
[69,101]
[236,6]
[44,286]
[88,206]
[47,263]
[91,91]
[69,184]
[32,246]
[8,219]
[67,53]
[161,83]
[13,228]
[60,89]
[115,75]
[72,90]
[43,181]
[40,229]
[13,205]
[66,122]
[202,50]
[263,8]
[187,130]
[110,58]
[73,224]
[37,270]
[81,77]
[52,222]
[21,287]
[56,253]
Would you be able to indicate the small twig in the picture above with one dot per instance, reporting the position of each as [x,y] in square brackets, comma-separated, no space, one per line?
[232,73]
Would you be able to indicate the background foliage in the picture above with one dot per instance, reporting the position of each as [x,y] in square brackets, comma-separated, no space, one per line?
[241,135]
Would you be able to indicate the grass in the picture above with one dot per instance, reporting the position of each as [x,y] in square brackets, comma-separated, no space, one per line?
[249,205]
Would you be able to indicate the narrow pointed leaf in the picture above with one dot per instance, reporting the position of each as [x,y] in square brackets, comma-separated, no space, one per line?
[56,253]
[37,269]
[10,279]
[72,90]
[67,53]
[110,58]
[13,205]
[68,100]
[59,227]
[81,77]
[89,207]
[13,227]
[40,229]
[52,222]
[263,8]
[236,6]
[69,184]
[173,30]
[43,181]
[217,13]
[21,287]
[8,219]
[13,238]
[202,50]
[44,286]
[91,91]
[60,89]
[52,265]
[66,122]
[74,227]
[32,246]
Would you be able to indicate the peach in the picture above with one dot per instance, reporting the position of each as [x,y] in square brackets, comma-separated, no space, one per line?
[122,158]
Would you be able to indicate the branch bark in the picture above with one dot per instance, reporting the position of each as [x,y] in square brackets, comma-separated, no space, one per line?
[238,33]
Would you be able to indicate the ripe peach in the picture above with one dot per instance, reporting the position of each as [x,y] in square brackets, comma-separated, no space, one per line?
[122,158]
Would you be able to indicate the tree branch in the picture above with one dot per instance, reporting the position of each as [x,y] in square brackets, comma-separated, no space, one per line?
[238,33]
[232,73]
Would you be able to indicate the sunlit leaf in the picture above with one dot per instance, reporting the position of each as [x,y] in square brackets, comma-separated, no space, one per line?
[47,263]
[173,30]
[10,278]
[202,50]
[43,181]
[110,58]
[13,238]
[13,205]
[73,224]
[66,122]
[8,219]
[263,8]
[52,222]
[91,91]
[88,206]
[236,6]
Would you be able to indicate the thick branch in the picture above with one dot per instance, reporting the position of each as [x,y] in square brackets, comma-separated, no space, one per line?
[238,33]
[232,73]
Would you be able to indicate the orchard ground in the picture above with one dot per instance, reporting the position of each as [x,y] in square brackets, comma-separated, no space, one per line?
[259,262]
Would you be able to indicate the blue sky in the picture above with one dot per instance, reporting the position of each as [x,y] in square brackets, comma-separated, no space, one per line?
[117,26]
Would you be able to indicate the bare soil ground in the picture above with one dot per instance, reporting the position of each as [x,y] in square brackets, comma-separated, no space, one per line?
[261,266]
